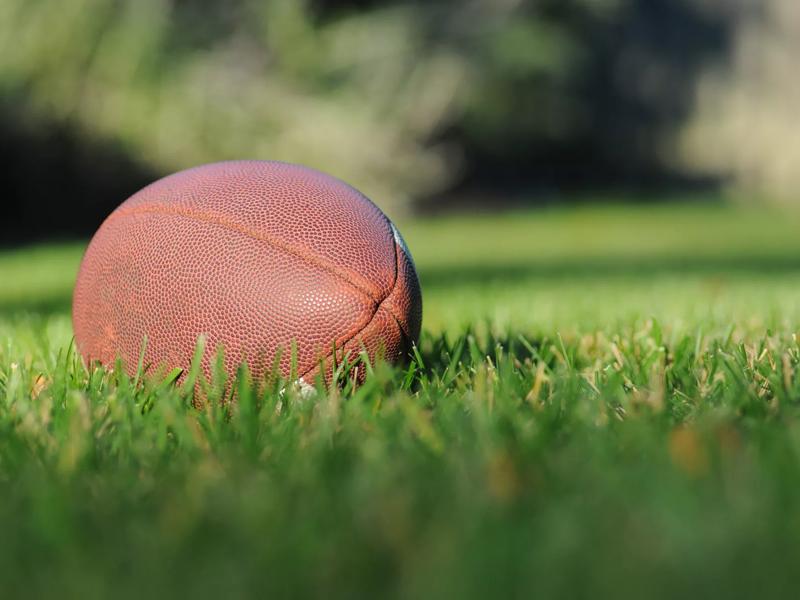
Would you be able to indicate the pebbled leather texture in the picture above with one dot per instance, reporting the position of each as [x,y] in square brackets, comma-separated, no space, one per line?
[262,258]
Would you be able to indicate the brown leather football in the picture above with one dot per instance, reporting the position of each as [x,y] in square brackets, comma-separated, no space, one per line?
[265,259]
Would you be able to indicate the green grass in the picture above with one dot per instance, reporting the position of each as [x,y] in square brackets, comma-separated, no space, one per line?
[605,404]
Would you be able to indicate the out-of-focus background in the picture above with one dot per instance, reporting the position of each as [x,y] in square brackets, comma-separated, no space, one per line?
[426,106]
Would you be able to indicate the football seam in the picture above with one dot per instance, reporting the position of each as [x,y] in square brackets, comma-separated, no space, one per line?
[310,259]
[380,306]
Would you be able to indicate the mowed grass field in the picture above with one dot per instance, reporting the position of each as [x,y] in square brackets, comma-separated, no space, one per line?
[605,403]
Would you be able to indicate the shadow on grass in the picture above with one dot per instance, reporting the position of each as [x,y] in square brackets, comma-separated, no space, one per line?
[45,307]
[476,275]
[608,268]
[441,354]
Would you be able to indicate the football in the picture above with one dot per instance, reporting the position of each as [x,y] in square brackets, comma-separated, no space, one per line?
[276,264]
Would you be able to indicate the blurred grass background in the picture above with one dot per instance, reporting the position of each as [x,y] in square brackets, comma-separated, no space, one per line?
[595,265]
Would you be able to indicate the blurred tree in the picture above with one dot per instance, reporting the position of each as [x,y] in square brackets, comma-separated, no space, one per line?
[745,126]
[562,94]
[569,94]
[356,96]
[406,100]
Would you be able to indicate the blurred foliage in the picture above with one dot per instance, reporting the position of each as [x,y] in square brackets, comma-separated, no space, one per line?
[744,125]
[405,100]
[353,97]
